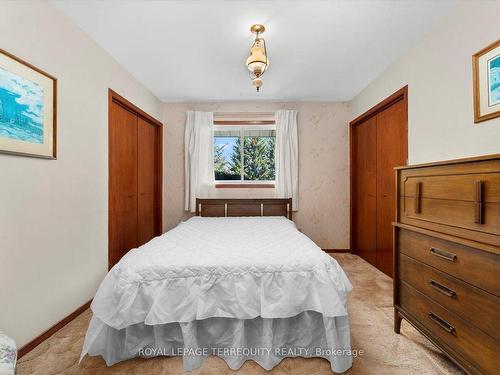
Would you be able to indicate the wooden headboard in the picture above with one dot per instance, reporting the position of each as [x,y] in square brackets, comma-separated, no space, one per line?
[244,207]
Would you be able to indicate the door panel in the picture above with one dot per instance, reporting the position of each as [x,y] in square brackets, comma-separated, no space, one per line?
[364,191]
[391,152]
[147,180]
[122,182]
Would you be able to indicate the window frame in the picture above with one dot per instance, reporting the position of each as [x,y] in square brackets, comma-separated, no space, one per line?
[241,126]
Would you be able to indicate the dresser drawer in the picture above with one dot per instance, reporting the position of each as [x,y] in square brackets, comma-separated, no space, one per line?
[464,339]
[476,267]
[459,199]
[470,303]
[459,187]
[445,214]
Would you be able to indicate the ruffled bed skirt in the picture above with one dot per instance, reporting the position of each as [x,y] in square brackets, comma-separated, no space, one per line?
[265,340]
[122,301]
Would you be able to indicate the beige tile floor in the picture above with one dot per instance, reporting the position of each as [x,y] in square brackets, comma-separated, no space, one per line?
[371,319]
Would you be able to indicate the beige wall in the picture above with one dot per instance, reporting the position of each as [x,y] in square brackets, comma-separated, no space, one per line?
[323,153]
[53,214]
[438,72]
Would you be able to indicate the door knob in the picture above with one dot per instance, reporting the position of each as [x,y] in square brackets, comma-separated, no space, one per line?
[384,195]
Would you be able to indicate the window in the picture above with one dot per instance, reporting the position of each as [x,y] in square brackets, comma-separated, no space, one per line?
[244,154]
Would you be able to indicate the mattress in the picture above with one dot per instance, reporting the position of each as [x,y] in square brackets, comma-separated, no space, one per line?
[230,270]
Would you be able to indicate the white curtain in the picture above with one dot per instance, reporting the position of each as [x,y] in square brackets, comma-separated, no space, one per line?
[287,157]
[198,157]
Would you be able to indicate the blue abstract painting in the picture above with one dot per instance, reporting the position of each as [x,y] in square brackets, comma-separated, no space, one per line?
[494,80]
[21,108]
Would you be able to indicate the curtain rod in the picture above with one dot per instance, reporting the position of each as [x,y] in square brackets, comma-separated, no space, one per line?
[243,114]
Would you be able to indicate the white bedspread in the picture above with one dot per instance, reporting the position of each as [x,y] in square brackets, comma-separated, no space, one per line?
[240,267]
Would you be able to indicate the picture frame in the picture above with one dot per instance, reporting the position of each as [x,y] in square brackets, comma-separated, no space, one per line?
[486,76]
[28,109]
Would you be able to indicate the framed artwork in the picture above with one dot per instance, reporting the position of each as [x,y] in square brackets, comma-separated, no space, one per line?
[486,67]
[28,98]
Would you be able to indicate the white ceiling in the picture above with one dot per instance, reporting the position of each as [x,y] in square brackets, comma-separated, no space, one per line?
[196,50]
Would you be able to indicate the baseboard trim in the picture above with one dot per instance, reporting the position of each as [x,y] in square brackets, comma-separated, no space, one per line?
[337,250]
[49,332]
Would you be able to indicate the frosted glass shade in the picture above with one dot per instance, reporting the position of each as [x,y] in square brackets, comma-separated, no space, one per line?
[257,62]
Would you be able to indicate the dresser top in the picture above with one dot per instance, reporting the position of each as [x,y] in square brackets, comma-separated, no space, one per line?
[448,162]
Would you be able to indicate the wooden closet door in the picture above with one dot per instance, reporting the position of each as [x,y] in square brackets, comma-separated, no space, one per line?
[147,180]
[365,190]
[122,182]
[391,152]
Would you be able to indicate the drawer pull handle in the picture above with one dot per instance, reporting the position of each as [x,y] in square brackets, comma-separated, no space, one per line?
[478,213]
[443,254]
[441,322]
[418,192]
[443,289]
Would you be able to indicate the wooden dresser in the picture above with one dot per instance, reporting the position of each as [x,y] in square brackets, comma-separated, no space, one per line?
[447,258]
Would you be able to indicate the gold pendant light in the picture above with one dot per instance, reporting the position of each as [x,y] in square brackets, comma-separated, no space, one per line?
[258,61]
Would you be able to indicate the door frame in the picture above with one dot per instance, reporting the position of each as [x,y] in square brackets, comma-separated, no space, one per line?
[114,97]
[401,94]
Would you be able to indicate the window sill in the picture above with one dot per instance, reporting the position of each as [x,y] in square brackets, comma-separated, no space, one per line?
[245,186]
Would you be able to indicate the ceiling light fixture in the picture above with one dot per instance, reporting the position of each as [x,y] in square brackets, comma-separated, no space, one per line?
[257,62]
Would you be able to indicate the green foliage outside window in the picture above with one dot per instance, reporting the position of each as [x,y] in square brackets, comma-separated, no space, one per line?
[258,159]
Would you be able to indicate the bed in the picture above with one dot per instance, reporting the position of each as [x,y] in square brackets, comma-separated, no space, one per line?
[238,281]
